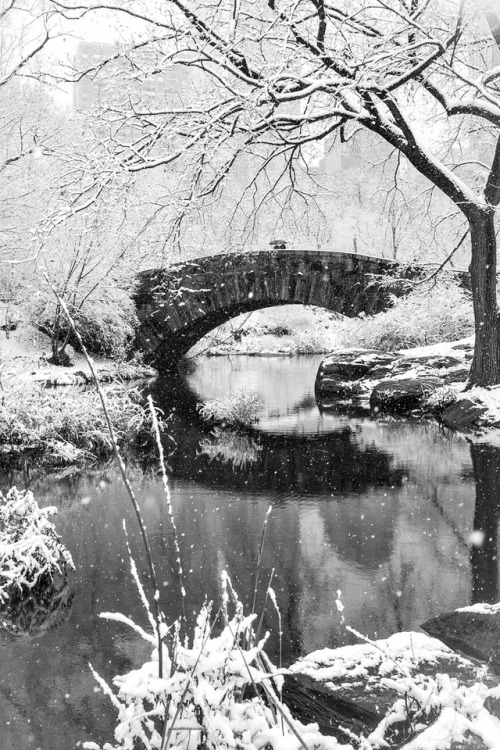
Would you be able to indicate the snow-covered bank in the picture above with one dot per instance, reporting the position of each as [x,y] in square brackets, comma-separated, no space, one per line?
[24,359]
[425,380]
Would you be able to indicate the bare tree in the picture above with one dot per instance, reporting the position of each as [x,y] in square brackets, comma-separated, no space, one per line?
[88,263]
[26,28]
[27,125]
[422,75]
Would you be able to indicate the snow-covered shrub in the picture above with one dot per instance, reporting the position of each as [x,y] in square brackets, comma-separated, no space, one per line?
[69,425]
[200,702]
[236,409]
[429,315]
[441,398]
[106,320]
[30,549]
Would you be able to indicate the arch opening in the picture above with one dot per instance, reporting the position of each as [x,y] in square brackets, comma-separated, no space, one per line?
[276,330]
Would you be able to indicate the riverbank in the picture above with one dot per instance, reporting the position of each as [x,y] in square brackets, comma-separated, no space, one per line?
[427,381]
[67,426]
[63,426]
[24,355]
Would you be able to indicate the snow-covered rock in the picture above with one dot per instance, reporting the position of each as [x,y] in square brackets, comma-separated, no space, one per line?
[403,393]
[427,696]
[473,631]
[392,380]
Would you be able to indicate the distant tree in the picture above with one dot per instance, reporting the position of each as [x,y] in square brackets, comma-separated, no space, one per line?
[88,263]
[26,28]
[422,75]
[28,126]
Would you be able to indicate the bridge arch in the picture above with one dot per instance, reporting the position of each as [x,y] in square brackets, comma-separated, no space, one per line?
[179,305]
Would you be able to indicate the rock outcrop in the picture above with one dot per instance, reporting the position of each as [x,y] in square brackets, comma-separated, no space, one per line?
[374,676]
[473,631]
[391,381]
[400,394]
[464,415]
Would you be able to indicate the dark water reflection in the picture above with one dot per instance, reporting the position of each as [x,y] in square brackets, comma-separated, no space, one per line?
[381,510]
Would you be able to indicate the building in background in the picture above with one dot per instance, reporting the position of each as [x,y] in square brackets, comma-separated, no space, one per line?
[101,86]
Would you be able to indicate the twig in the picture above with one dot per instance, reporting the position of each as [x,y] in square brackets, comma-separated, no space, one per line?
[165,740]
[272,698]
[445,261]
[123,471]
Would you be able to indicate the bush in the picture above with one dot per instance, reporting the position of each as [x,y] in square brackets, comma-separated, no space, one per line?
[68,426]
[438,401]
[237,409]
[217,690]
[30,549]
[108,327]
[429,315]
[106,323]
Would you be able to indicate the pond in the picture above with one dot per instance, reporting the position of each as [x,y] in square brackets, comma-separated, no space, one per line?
[380,510]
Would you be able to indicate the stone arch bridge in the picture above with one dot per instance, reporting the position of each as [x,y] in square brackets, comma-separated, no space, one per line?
[179,305]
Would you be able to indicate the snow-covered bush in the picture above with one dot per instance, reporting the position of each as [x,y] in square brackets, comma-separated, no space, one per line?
[200,702]
[443,397]
[237,409]
[429,315]
[30,549]
[69,426]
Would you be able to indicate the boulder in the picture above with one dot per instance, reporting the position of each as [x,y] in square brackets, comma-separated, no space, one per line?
[310,702]
[332,388]
[463,415]
[403,393]
[351,364]
[429,363]
[467,348]
[473,631]
[455,375]
[367,675]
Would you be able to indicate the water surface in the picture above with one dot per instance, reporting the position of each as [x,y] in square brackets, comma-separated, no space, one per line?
[381,511]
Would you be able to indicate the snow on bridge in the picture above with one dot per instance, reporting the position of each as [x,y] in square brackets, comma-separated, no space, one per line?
[178,305]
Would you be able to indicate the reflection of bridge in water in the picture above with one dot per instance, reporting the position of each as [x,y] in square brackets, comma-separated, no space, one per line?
[327,465]
[179,305]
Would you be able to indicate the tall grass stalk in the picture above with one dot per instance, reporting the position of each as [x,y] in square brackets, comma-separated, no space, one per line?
[271,697]
[259,559]
[261,619]
[166,735]
[123,472]
[272,596]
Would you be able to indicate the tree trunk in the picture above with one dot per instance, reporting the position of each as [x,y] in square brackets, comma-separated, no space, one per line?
[485,368]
